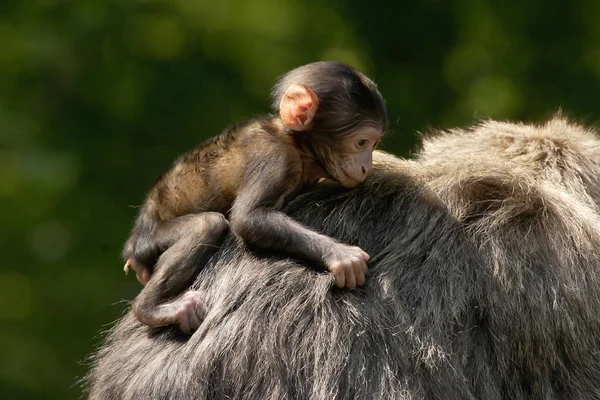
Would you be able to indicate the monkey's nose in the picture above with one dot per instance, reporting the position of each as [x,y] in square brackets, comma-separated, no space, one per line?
[365,171]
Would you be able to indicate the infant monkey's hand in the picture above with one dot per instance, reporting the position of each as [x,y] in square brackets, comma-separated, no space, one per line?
[348,264]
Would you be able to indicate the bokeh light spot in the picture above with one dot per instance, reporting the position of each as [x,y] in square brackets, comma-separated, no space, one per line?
[49,241]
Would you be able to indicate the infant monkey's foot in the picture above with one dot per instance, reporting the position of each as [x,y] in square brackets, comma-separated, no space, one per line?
[142,273]
[187,311]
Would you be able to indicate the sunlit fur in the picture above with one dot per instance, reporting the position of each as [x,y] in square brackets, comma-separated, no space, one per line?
[484,284]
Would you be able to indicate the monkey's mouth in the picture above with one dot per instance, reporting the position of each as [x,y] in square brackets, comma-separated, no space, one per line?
[348,181]
[342,177]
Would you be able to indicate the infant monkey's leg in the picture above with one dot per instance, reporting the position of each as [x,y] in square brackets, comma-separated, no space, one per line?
[195,238]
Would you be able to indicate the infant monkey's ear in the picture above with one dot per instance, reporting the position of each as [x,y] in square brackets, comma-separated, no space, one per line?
[298,107]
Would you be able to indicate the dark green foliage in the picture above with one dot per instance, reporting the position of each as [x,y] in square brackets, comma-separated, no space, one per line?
[98,96]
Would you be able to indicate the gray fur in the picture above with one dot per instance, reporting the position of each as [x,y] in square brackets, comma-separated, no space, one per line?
[484,284]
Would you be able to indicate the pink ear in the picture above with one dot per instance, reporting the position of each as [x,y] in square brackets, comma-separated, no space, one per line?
[298,107]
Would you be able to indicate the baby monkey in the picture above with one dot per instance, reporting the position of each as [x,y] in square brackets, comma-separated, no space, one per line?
[329,119]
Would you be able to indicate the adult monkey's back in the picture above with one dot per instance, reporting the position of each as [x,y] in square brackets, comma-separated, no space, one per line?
[484,284]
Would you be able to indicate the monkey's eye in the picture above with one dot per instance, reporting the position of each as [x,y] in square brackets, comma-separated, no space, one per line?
[362,142]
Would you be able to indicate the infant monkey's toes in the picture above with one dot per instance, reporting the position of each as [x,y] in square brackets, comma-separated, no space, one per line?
[190,310]
[142,272]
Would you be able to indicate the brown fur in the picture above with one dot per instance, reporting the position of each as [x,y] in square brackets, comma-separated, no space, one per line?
[247,174]
[209,177]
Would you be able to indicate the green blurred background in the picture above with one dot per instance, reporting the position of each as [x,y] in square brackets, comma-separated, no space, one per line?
[98,96]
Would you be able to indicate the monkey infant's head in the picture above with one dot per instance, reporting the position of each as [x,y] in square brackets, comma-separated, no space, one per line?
[336,113]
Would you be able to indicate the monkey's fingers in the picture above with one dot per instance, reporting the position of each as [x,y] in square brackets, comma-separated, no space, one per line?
[197,312]
[365,256]
[187,311]
[359,273]
[350,278]
[339,278]
[194,321]
[365,267]
[184,325]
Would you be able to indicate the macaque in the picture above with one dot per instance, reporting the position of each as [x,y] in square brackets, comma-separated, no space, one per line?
[328,119]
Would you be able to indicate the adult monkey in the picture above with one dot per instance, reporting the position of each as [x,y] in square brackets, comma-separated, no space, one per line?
[484,284]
